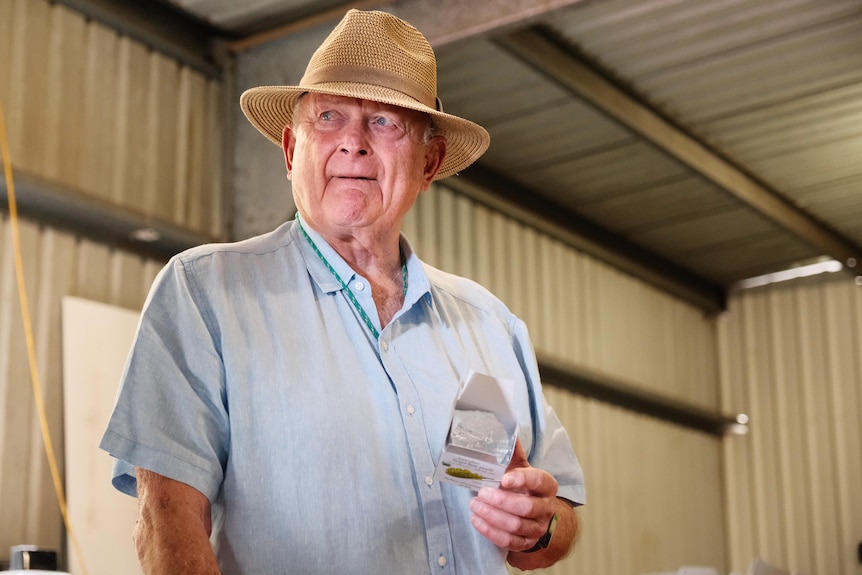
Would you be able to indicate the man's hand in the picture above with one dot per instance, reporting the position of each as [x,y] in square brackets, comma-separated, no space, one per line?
[515,515]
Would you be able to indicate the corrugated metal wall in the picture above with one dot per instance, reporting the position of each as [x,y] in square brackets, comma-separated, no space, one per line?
[100,114]
[56,264]
[654,489]
[791,357]
[655,500]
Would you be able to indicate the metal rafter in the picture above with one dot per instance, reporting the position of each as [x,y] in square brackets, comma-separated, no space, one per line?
[607,389]
[557,61]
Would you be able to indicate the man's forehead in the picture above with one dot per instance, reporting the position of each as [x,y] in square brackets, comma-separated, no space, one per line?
[323,100]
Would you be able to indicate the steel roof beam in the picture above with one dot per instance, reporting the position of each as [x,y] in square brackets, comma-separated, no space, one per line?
[558,61]
[604,388]
[88,217]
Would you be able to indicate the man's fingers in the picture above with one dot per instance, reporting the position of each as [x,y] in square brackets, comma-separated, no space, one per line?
[515,515]
[507,530]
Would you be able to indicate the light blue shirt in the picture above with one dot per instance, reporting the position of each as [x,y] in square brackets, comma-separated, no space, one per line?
[253,379]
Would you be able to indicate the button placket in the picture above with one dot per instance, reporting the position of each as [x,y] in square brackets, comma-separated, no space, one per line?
[438,531]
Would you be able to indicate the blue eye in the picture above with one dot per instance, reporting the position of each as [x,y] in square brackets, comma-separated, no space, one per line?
[382,121]
[326,116]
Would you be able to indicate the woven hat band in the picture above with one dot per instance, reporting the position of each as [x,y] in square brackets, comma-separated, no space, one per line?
[374,77]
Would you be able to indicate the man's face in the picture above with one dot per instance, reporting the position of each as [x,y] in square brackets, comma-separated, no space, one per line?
[357,163]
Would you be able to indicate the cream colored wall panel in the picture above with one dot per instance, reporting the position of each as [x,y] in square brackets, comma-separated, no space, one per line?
[572,337]
[499,258]
[577,309]
[515,274]
[98,112]
[29,82]
[159,136]
[213,196]
[423,217]
[28,500]
[197,196]
[453,250]
[45,316]
[7,16]
[131,90]
[179,193]
[790,358]
[189,134]
[821,470]
[62,124]
[530,276]
[15,479]
[845,332]
[93,278]
[482,267]
[654,492]
[55,264]
[546,294]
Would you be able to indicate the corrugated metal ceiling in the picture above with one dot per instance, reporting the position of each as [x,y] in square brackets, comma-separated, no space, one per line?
[672,125]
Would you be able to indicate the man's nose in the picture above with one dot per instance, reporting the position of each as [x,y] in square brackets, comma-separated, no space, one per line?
[355,139]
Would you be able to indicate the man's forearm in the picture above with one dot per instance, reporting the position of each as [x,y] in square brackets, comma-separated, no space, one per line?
[562,543]
[173,528]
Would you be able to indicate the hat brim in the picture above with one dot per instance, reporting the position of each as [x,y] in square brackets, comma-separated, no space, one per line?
[270,109]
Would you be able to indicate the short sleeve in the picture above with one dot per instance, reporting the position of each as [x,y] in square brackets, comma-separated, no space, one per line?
[170,414]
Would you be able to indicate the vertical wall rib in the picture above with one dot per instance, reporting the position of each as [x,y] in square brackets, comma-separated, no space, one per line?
[56,264]
[97,112]
[790,358]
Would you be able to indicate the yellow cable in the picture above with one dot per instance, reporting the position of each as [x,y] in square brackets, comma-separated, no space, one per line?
[31,348]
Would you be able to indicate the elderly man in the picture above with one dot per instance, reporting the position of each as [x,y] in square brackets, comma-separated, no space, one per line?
[287,397]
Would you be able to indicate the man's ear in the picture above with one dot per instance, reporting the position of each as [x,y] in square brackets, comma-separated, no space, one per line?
[434,159]
[288,141]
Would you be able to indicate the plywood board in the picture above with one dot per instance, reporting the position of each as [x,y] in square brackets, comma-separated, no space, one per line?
[96,340]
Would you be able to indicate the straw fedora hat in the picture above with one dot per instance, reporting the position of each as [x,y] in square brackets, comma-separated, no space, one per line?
[373,56]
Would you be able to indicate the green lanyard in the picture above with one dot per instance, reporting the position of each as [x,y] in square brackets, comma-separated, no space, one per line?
[350,295]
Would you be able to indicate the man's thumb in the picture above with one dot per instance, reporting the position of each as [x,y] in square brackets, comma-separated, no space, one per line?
[519,457]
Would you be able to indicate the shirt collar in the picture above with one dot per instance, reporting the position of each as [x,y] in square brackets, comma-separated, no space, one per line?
[417,281]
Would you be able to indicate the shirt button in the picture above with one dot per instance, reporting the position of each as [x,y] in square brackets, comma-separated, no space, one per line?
[441,561]
[359,286]
[385,346]
[411,410]
[429,480]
